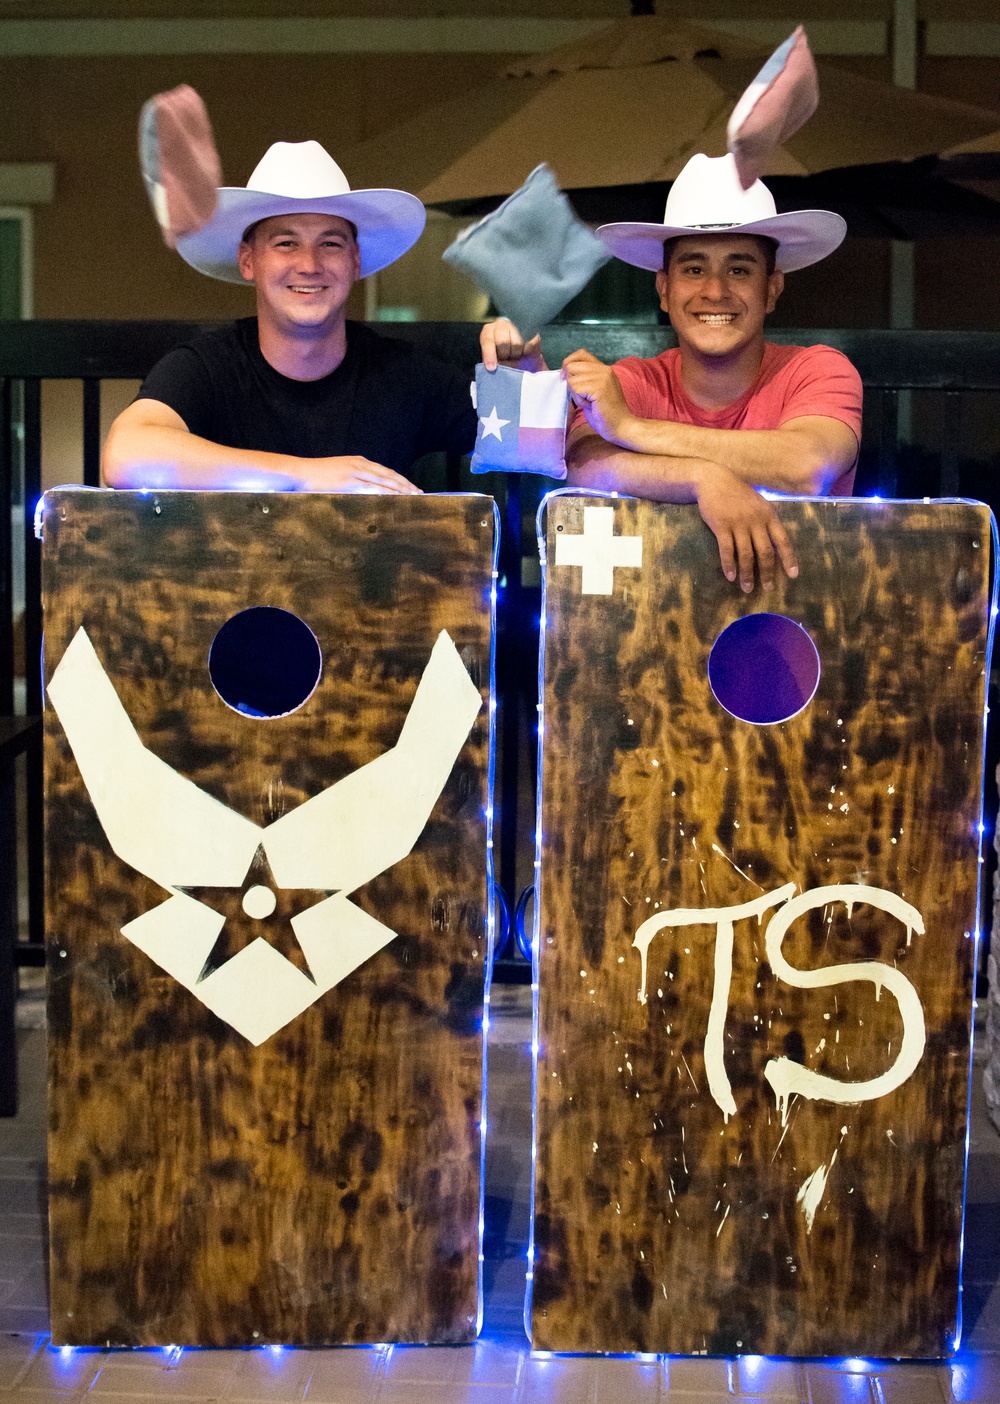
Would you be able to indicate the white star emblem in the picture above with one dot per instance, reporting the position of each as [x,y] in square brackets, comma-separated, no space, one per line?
[492,424]
[183,838]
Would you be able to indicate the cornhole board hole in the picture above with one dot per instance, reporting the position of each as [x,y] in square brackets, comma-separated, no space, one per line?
[268,739]
[756,938]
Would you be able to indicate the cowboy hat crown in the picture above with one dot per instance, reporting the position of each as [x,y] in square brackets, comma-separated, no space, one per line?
[303,178]
[708,196]
[298,170]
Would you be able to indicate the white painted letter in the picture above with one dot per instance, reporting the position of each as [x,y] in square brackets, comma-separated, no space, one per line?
[788,1078]
[724,919]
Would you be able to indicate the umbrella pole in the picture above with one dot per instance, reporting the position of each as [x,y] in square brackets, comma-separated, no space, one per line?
[901,288]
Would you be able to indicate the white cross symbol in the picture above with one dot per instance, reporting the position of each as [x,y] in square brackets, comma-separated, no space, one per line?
[492,424]
[599,551]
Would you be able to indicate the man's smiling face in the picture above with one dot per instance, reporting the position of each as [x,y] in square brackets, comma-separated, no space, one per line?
[717,291]
[303,266]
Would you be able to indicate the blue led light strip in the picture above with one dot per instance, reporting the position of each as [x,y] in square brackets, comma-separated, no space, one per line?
[536,925]
[980,864]
[536,920]
[490,908]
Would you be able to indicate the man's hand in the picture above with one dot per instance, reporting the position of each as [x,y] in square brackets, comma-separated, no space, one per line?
[351,473]
[596,390]
[745,524]
[501,343]
[746,527]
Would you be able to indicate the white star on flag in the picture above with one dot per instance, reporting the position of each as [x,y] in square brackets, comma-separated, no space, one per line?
[492,424]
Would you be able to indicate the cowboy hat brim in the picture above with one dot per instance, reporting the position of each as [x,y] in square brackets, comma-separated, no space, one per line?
[388,223]
[803,237]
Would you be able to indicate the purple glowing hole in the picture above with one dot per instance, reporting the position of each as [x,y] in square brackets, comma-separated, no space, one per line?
[763,668]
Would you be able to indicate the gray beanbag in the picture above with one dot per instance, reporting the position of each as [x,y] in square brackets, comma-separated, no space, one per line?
[531,255]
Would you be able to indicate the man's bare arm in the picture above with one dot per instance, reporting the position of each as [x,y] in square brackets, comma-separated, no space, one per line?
[149,445]
[745,525]
[594,463]
[803,457]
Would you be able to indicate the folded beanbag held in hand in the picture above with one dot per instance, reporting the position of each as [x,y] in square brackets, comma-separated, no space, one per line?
[179,162]
[531,255]
[781,99]
[522,421]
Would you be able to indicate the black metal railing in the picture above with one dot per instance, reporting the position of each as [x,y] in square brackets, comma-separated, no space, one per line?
[923,377]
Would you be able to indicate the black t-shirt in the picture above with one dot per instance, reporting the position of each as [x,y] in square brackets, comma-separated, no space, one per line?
[387,400]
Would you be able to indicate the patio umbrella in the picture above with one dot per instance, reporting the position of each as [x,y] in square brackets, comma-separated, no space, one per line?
[628,106]
[919,199]
[898,200]
[978,159]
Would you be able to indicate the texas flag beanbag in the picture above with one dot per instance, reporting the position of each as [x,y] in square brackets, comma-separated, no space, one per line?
[522,421]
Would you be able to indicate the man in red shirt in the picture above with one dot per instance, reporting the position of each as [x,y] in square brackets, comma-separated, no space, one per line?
[725,413]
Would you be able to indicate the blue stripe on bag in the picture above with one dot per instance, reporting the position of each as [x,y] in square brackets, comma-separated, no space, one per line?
[498,404]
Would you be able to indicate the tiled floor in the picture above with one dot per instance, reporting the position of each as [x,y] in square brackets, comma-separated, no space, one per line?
[499,1369]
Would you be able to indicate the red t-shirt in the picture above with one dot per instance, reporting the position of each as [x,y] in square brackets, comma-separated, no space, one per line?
[793,381]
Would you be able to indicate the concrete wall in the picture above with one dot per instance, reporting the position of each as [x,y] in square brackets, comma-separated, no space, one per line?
[97,249]
[98,253]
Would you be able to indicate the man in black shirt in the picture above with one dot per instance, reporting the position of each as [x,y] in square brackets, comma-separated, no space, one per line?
[298,398]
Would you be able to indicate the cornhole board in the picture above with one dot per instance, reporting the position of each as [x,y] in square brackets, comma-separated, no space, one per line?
[756,942]
[267,934]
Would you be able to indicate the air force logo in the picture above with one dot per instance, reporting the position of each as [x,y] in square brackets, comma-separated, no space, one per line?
[221,868]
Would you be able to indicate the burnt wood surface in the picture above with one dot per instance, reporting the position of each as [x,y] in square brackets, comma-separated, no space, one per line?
[662,1224]
[324,1186]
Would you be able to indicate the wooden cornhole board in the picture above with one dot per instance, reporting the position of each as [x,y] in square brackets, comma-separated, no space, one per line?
[711,1174]
[266,1126]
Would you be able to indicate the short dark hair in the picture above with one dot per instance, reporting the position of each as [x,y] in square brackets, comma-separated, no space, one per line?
[768,247]
[251,229]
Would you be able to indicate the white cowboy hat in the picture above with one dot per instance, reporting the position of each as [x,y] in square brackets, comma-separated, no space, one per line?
[301,178]
[707,197]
